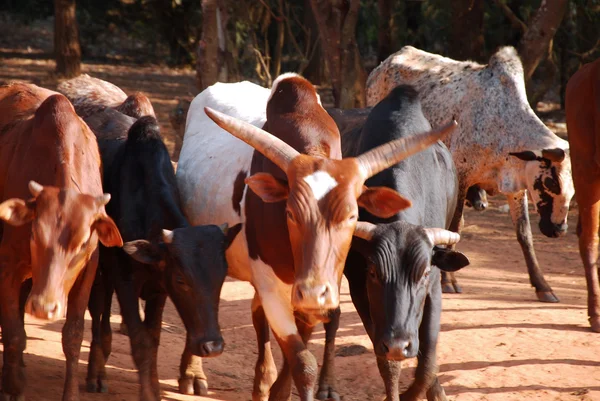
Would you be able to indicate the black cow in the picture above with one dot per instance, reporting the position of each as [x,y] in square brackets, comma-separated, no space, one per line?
[476,198]
[187,264]
[394,267]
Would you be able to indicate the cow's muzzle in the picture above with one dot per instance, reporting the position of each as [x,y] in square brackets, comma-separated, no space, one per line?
[309,296]
[43,307]
[552,230]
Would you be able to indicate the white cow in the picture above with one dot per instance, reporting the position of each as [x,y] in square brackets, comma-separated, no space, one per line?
[500,143]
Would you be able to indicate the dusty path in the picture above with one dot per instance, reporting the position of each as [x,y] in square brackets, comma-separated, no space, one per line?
[497,343]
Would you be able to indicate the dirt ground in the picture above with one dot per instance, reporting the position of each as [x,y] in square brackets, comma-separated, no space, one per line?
[497,342]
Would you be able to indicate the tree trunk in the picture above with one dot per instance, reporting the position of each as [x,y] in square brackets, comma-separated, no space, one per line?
[337,27]
[67,50]
[466,37]
[315,68]
[534,44]
[207,63]
[386,23]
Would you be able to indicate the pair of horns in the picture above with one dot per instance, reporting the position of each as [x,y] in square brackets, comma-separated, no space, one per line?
[437,236]
[36,189]
[371,162]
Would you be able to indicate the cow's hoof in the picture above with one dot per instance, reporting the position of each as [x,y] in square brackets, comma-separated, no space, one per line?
[448,288]
[90,386]
[457,288]
[8,397]
[200,387]
[328,394]
[595,323]
[102,386]
[186,386]
[547,296]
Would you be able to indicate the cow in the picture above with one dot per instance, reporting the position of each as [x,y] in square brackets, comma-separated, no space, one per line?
[91,95]
[53,208]
[167,256]
[393,267]
[582,106]
[501,144]
[299,214]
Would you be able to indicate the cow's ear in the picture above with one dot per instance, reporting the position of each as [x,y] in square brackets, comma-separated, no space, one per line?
[267,187]
[107,230]
[17,212]
[527,155]
[145,252]
[449,260]
[382,201]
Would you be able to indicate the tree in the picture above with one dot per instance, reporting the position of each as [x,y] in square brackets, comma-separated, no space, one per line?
[386,24]
[207,63]
[67,50]
[336,20]
[466,37]
[535,42]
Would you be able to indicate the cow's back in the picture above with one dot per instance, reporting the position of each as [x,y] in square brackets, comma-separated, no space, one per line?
[582,106]
[213,164]
[428,178]
[44,140]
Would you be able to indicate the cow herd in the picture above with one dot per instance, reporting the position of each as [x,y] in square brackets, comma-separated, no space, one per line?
[273,189]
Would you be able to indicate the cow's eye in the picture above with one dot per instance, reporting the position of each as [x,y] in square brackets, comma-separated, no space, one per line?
[427,272]
[353,217]
[290,215]
[179,280]
[372,273]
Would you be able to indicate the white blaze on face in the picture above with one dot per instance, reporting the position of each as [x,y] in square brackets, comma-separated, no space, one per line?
[321,183]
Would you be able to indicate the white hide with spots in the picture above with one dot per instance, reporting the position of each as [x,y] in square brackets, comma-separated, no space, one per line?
[209,163]
[490,104]
[211,159]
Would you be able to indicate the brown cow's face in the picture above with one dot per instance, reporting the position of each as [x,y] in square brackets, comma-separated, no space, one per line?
[323,196]
[65,229]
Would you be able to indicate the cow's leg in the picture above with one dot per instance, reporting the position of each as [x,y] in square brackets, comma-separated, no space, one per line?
[587,229]
[389,370]
[25,291]
[13,336]
[426,373]
[275,296]
[520,217]
[327,382]
[192,379]
[449,283]
[139,337]
[72,333]
[106,333]
[96,362]
[153,321]
[265,372]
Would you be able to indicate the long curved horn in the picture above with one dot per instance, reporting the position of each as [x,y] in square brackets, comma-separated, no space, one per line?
[384,156]
[439,236]
[365,230]
[270,146]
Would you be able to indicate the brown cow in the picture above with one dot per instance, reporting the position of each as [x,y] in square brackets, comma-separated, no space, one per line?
[300,210]
[583,123]
[48,156]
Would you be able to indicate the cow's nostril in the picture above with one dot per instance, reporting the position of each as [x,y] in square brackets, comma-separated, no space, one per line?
[324,294]
[405,347]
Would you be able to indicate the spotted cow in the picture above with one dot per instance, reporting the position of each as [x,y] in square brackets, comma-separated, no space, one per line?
[501,144]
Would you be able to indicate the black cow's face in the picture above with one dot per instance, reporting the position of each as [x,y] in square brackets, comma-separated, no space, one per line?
[401,273]
[193,267]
